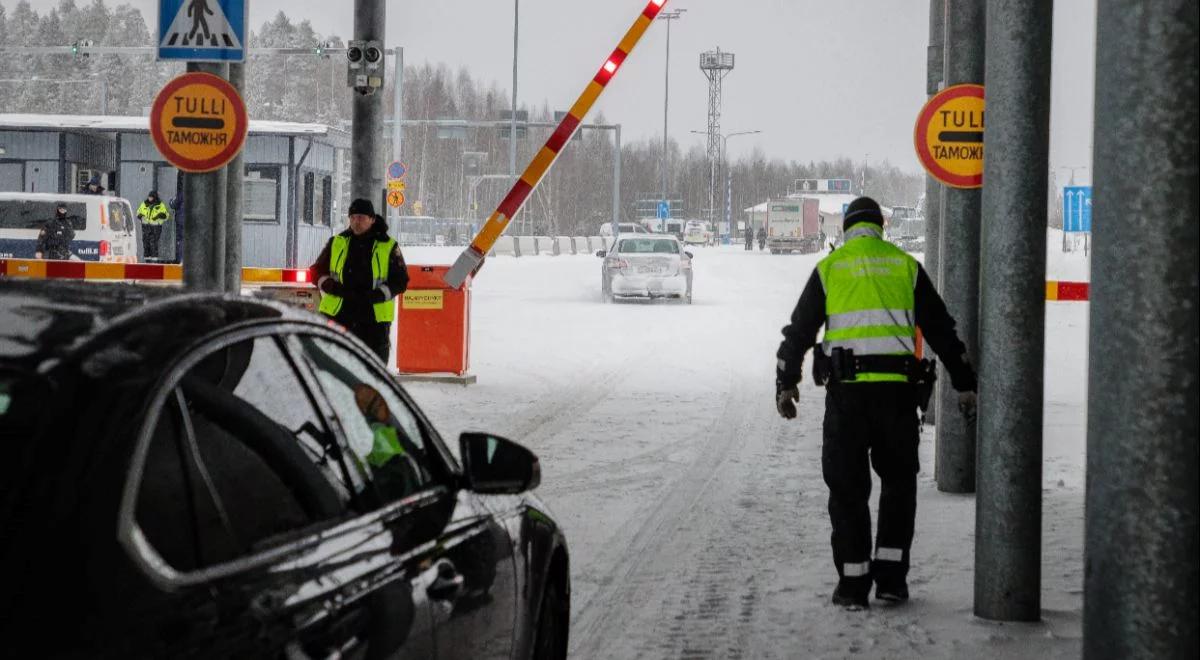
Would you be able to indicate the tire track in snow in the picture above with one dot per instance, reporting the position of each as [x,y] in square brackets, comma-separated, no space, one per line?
[649,558]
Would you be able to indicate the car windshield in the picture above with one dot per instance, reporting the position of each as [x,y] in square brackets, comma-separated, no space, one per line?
[648,246]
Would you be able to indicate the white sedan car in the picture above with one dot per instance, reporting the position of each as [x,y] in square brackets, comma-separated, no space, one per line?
[647,266]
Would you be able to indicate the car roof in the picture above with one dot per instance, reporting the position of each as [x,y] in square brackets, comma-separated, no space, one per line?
[73,198]
[44,324]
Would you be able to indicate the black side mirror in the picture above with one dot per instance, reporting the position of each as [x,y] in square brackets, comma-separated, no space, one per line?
[689,254]
[494,465]
[600,253]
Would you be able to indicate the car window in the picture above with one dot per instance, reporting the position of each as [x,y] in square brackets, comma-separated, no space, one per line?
[383,433]
[238,456]
[648,246]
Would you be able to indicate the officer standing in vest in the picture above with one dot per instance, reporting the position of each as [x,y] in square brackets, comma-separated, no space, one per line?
[359,272]
[871,297]
[153,213]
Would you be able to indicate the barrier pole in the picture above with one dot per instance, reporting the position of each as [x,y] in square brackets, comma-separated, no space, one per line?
[472,258]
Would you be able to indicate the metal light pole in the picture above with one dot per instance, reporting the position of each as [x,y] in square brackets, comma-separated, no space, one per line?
[366,177]
[397,122]
[512,126]
[725,164]
[667,16]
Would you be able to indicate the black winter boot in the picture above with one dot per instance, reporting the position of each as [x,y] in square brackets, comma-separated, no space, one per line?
[853,593]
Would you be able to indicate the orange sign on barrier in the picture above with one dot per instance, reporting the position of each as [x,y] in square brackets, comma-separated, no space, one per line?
[433,324]
[198,122]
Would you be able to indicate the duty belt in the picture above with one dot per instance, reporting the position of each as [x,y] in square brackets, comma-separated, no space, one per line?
[843,365]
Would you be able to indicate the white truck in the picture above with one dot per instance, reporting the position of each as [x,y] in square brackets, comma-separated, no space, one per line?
[794,225]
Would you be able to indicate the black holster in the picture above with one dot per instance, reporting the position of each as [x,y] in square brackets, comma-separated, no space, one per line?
[924,379]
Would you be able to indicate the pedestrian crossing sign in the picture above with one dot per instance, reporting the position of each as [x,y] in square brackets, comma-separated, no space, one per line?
[202,30]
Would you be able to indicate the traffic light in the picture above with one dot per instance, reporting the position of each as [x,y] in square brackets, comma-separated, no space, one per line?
[319,50]
[364,61]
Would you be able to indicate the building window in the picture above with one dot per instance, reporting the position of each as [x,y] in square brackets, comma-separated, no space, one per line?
[324,201]
[260,193]
[306,213]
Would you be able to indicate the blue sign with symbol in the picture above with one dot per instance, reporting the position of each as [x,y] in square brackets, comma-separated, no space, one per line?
[1077,209]
[396,170]
[202,30]
[664,210]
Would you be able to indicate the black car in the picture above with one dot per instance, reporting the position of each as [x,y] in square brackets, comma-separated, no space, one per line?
[195,475]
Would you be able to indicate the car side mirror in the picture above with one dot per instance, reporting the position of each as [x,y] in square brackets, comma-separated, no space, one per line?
[494,465]
[689,254]
[600,253]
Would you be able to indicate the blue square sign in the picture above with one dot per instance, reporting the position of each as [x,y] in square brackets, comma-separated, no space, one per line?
[664,210]
[202,30]
[1077,209]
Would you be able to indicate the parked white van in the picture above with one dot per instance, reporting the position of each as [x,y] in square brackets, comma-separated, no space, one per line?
[105,228]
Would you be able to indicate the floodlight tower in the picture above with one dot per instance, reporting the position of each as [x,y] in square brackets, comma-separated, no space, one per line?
[715,65]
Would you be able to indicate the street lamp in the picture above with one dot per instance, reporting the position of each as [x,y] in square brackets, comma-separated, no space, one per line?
[724,165]
[667,16]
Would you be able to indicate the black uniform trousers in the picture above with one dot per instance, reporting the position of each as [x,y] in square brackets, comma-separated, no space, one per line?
[377,336]
[150,237]
[871,424]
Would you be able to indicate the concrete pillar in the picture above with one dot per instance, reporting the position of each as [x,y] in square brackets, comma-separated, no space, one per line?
[934,70]
[235,173]
[1012,311]
[1140,585]
[203,260]
[958,257]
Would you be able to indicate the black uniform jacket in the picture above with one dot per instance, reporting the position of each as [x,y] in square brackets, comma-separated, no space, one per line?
[936,324]
[357,279]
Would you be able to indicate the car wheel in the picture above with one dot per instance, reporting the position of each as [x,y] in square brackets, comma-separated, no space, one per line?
[550,641]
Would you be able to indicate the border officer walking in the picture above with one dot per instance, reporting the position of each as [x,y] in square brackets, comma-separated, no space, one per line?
[871,297]
[359,272]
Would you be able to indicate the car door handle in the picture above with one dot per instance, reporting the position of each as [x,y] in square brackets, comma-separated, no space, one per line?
[448,585]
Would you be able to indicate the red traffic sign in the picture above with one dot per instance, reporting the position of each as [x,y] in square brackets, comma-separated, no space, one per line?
[949,136]
[198,122]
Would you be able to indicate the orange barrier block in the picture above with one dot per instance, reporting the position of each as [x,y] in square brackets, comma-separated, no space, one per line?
[433,328]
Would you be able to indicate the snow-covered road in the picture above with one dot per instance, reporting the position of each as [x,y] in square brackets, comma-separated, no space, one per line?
[696,516]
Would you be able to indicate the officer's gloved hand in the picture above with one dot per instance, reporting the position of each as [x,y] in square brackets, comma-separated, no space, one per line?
[785,402]
[332,287]
[968,405]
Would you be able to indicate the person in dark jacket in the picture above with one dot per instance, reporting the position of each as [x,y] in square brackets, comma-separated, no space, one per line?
[749,237]
[358,273]
[153,214]
[762,238]
[54,240]
[92,187]
[871,297]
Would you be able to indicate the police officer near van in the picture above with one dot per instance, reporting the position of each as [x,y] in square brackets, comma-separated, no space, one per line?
[54,240]
[871,297]
[359,272]
[153,213]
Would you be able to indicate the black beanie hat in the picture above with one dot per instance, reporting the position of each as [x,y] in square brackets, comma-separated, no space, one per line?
[362,207]
[863,209]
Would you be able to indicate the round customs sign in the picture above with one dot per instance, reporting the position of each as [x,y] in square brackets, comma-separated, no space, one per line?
[949,136]
[198,122]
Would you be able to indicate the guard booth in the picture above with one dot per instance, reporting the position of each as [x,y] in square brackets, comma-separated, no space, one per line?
[433,328]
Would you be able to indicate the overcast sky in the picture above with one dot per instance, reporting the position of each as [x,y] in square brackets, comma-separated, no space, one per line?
[820,78]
